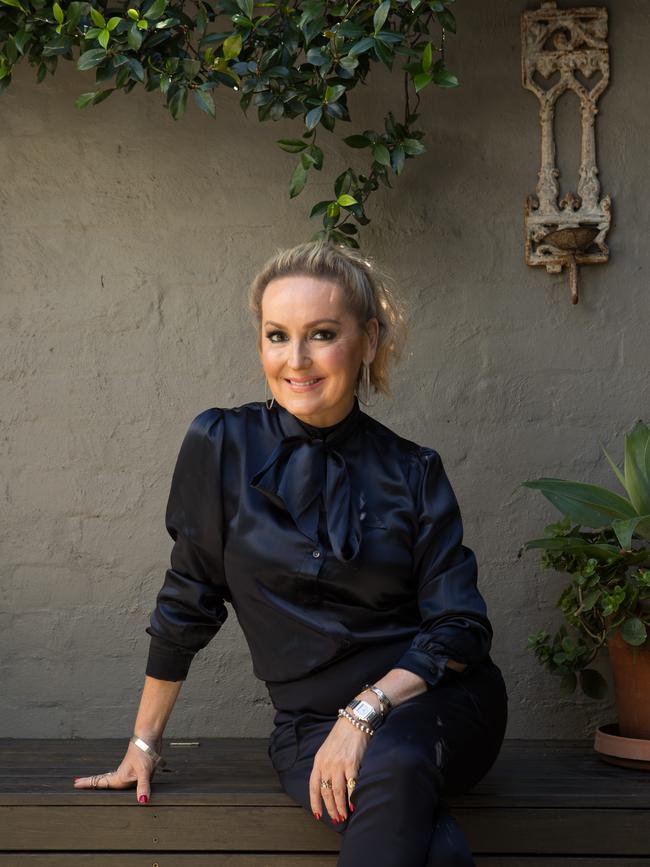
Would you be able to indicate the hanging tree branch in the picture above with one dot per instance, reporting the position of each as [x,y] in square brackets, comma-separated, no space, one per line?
[299,60]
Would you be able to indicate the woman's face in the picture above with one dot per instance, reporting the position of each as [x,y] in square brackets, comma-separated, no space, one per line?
[309,334]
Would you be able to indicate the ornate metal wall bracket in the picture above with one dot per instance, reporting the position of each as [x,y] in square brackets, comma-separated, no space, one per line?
[566,49]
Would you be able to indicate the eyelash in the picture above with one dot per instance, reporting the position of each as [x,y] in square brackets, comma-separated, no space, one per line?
[271,334]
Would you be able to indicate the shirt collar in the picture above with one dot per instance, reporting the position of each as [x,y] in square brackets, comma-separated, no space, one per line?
[291,425]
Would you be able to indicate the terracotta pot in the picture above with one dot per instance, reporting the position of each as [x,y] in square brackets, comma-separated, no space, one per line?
[631,674]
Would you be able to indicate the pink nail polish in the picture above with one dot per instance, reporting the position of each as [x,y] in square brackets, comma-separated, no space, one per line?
[143,799]
[352,808]
[317,815]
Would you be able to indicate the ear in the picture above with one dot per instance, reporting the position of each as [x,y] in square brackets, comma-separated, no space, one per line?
[372,333]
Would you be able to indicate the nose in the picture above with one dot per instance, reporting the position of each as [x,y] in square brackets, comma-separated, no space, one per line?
[298,356]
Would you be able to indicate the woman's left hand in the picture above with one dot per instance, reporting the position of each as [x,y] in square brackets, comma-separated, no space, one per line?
[338,759]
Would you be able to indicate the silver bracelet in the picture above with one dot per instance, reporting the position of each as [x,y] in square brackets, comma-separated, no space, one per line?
[385,704]
[355,722]
[144,746]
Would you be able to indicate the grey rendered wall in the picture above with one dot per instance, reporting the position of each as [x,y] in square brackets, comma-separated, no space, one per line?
[127,244]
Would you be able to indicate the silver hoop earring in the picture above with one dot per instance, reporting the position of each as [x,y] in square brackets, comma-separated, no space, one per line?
[266,400]
[365,382]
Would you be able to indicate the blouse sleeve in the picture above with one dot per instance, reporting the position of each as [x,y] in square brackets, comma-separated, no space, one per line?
[454,623]
[190,604]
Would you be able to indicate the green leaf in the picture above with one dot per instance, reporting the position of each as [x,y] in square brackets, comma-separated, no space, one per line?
[445,78]
[397,159]
[112,23]
[413,146]
[134,37]
[362,45]
[178,103]
[574,546]
[637,471]
[90,59]
[447,20]
[155,11]
[21,39]
[357,141]
[298,180]
[588,505]
[420,81]
[319,208]
[346,200]
[593,684]
[97,18]
[333,210]
[133,14]
[232,46]
[246,7]
[58,13]
[317,156]
[205,102]
[136,68]
[619,474]
[191,68]
[103,38]
[427,57]
[292,145]
[380,154]
[85,99]
[333,92]
[381,13]
[16,3]
[313,117]
[625,529]
[634,632]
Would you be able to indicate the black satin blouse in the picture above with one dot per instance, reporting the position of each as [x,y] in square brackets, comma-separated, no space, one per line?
[340,550]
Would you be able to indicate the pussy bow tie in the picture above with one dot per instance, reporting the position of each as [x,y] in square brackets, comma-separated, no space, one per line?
[299,470]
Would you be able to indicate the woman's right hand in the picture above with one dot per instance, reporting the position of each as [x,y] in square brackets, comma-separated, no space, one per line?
[136,768]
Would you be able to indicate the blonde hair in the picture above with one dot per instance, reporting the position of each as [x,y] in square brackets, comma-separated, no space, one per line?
[366,291]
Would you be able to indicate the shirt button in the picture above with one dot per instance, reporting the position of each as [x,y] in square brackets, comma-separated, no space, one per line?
[315,553]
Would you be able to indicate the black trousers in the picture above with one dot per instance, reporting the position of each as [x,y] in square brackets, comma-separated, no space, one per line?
[441,742]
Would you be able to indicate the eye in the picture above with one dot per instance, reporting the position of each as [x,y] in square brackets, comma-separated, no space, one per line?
[277,336]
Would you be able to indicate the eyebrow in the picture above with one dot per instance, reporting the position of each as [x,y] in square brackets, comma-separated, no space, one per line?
[307,324]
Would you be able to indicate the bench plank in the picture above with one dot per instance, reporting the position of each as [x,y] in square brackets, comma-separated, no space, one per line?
[543,803]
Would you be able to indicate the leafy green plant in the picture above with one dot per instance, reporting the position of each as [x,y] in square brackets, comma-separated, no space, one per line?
[294,60]
[609,565]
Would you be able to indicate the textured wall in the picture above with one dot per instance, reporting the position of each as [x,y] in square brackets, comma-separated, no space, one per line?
[128,242]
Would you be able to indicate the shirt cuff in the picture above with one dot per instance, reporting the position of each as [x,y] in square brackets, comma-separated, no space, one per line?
[432,667]
[167,661]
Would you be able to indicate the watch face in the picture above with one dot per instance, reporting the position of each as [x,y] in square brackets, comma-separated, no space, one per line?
[365,710]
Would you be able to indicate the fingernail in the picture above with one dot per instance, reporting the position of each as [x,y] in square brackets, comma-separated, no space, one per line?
[143,799]
[317,815]
[352,808]
[76,778]
[336,821]
[342,818]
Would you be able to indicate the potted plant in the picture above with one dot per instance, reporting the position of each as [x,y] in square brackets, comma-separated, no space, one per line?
[602,543]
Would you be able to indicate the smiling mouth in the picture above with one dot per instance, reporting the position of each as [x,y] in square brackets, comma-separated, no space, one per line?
[304,382]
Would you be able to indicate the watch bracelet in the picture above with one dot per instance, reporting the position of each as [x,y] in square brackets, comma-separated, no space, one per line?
[385,704]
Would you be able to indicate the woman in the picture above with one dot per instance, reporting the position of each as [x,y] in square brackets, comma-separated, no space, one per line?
[339,545]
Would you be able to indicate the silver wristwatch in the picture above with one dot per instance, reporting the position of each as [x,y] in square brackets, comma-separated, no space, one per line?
[364,711]
[385,703]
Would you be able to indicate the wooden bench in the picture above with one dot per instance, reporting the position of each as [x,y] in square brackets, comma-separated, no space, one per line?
[543,803]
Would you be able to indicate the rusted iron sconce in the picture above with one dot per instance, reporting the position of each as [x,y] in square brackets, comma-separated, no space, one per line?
[566,49]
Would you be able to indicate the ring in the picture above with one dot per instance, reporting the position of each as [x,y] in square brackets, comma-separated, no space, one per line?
[351,783]
[94,780]
[326,784]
